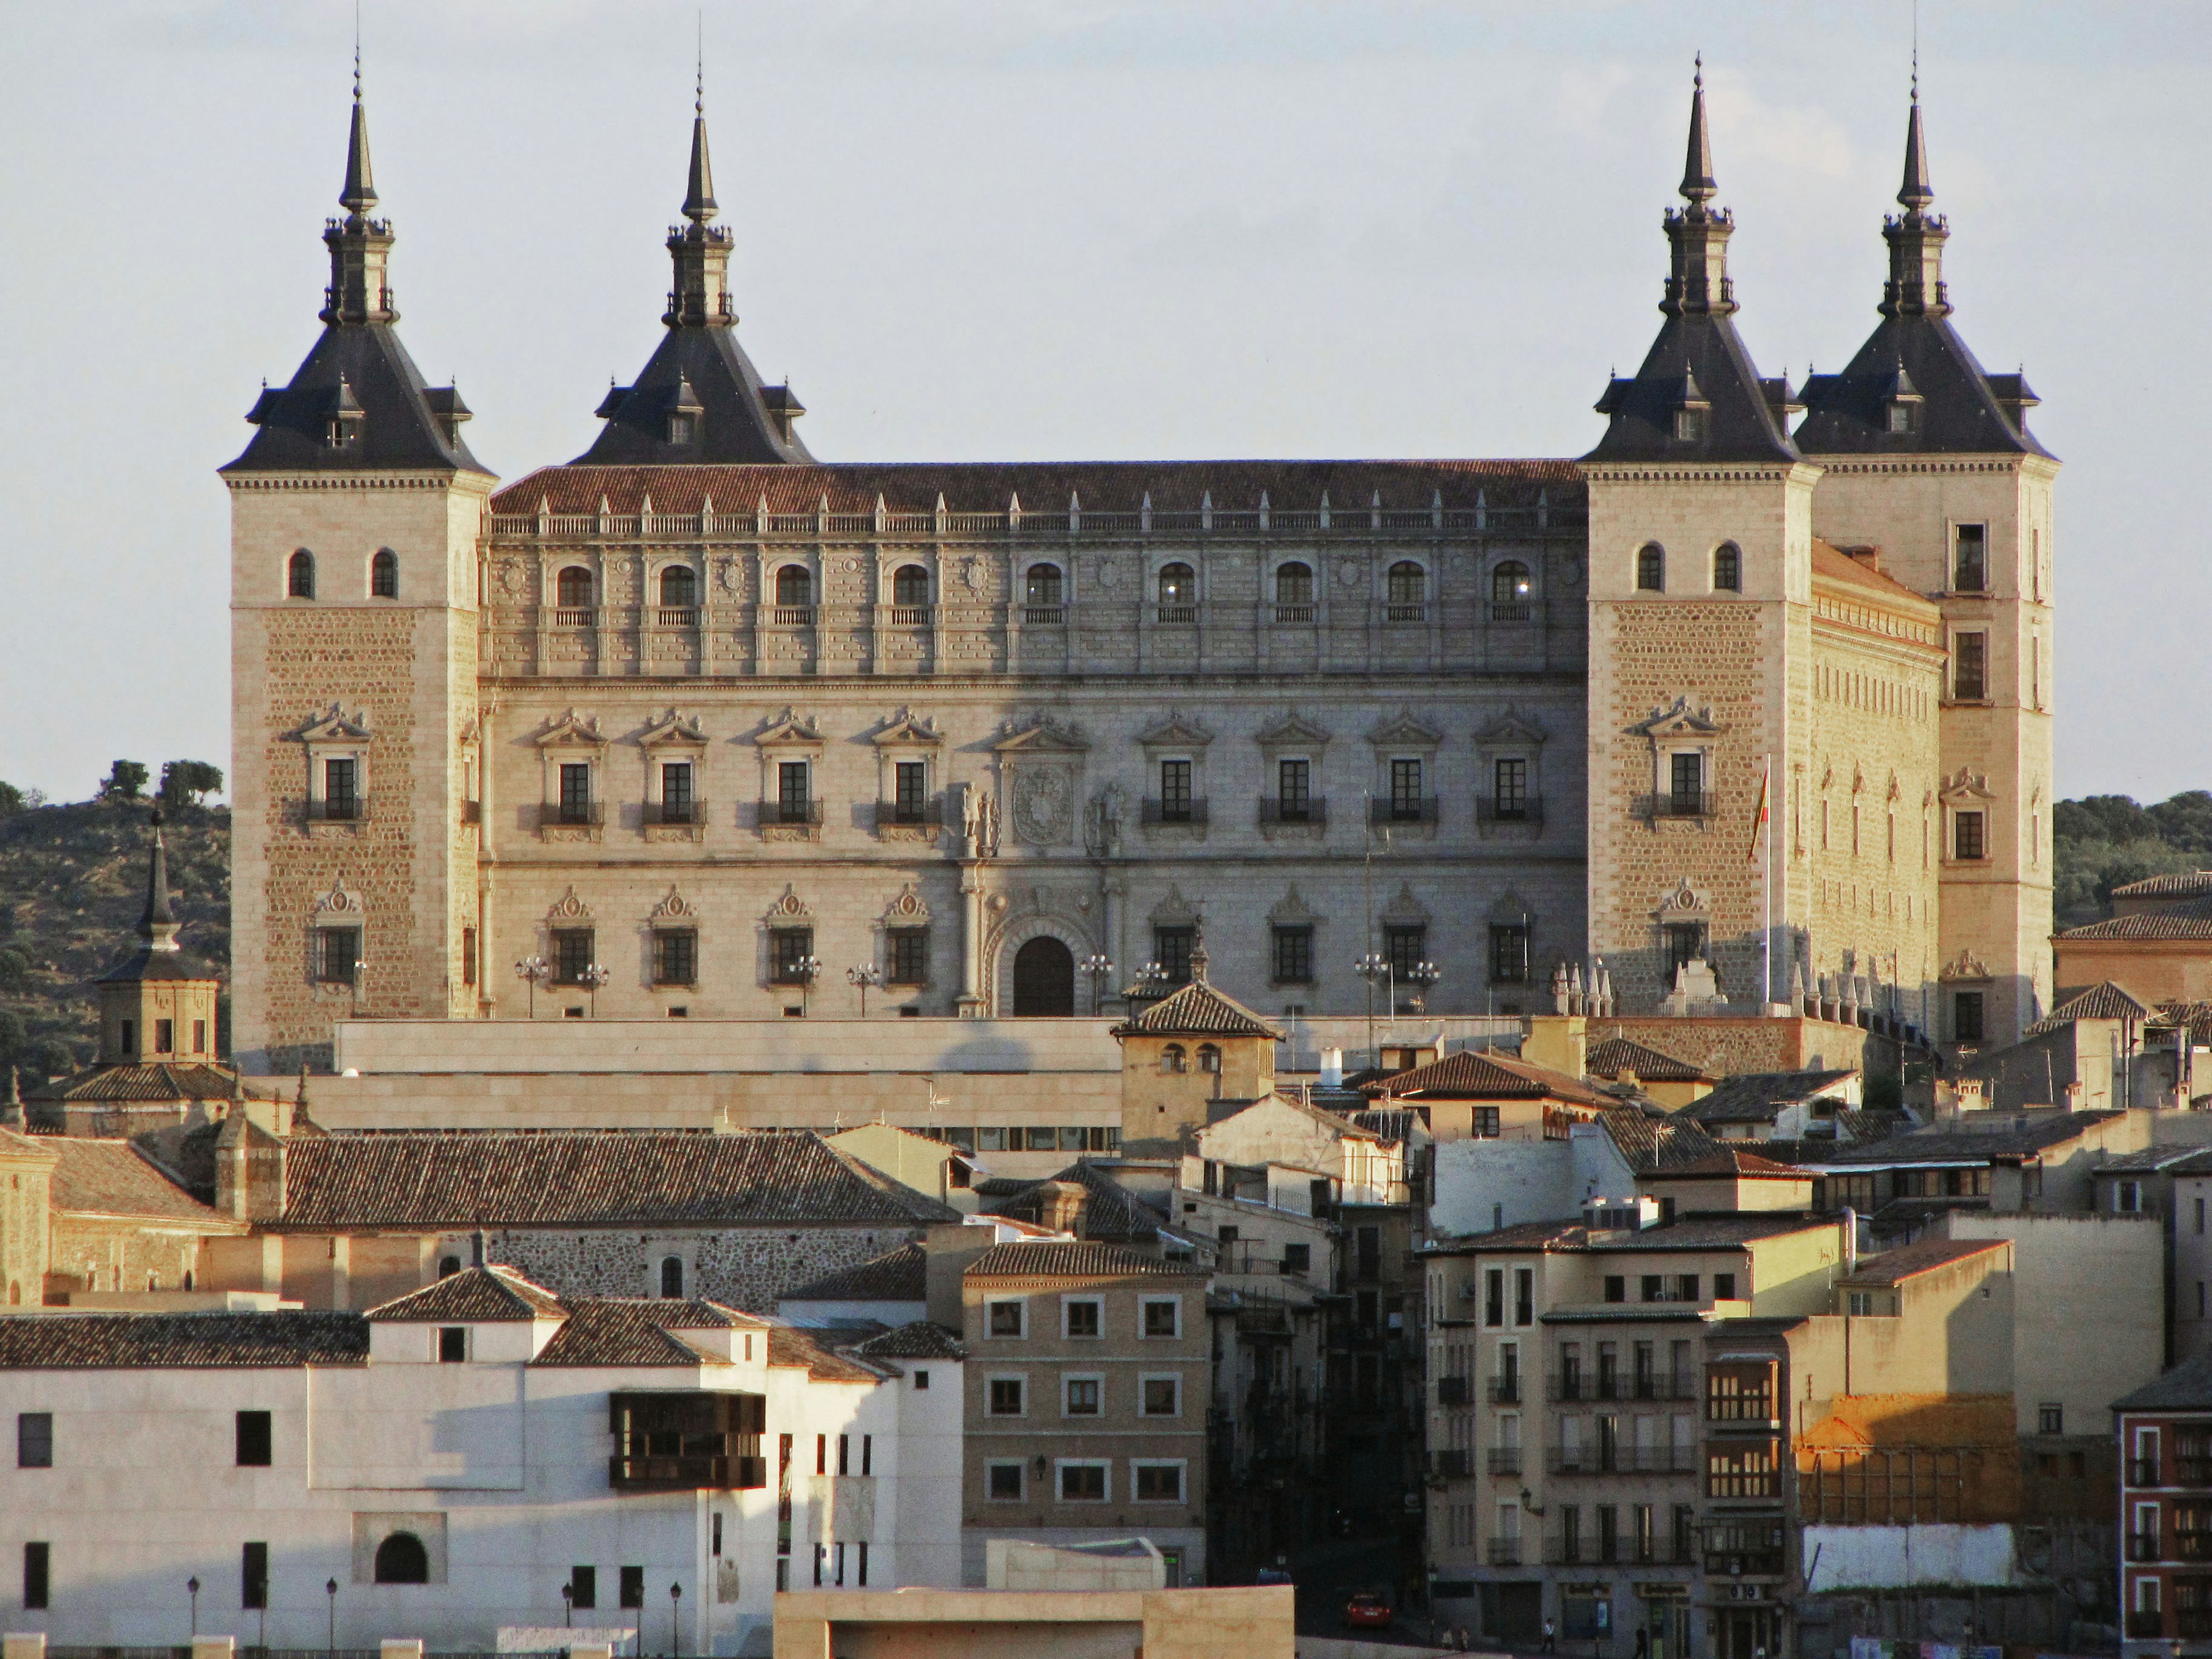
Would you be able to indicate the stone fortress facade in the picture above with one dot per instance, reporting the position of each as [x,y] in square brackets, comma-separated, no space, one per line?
[699,723]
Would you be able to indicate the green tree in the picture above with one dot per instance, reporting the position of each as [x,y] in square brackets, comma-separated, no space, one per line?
[11,799]
[125,780]
[184,783]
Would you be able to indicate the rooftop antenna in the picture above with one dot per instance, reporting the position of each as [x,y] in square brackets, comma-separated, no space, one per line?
[356,51]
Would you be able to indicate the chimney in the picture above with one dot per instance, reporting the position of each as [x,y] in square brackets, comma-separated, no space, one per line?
[1850,1224]
[1869,556]
[1060,1206]
[1331,1069]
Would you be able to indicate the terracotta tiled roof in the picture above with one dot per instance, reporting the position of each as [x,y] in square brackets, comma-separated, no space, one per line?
[150,1080]
[1044,487]
[616,1333]
[1482,1074]
[789,1344]
[1610,1057]
[1111,1211]
[1757,1097]
[109,1177]
[900,1275]
[1197,1010]
[474,1294]
[1967,1146]
[2196,883]
[2103,1001]
[919,1341]
[2183,922]
[1651,1145]
[1729,1161]
[1048,1259]
[1893,1266]
[1838,566]
[208,1342]
[497,1177]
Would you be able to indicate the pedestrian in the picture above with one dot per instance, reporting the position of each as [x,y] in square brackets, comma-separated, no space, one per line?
[1466,1642]
[1551,1642]
[1643,1643]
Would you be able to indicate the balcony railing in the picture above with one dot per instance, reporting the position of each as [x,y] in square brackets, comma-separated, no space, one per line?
[1616,1385]
[1405,613]
[1622,1460]
[677,615]
[1174,811]
[1505,1552]
[928,816]
[2192,1623]
[676,811]
[1294,615]
[348,809]
[687,1473]
[909,615]
[574,811]
[1044,615]
[575,616]
[2143,1546]
[1511,611]
[1506,1390]
[1741,1410]
[1420,811]
[792,615]
[1678,804]
[1453,1391]
[2193,1470]
[1504,1460]
[1178,616]
[2143,1472]
[2146,1625]
[1453,1464]
[1736,1563]
[1313,810]
[791,811]
[1512,809]
[2192,1546]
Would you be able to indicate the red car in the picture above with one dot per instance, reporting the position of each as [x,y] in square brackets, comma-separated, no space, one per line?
[1368,1610]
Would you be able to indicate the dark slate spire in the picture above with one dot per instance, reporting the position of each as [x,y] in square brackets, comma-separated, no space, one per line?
[358,402]
[1697,396]
[158,925]
[1914,387]
[700,400]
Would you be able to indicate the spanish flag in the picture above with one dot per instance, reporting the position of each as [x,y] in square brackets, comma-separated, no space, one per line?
[1759,818]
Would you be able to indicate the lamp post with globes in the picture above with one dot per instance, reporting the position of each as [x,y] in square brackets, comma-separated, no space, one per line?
[532,970]
[805,971]
[863,976]
[1099,969]
[1371,967]
[1421,976]
[592,978]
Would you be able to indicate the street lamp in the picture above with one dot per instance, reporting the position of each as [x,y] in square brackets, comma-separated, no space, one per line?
[532,970]
[591,979]
[1421,976]
[1149,980]
[1099,969]
[568,1605]
[864,976]
[192,1589]
[331,1589]
[805,970]
[675,1628]
[1371,968]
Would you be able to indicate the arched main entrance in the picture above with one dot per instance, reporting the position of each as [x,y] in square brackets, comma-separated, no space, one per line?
[1044,979]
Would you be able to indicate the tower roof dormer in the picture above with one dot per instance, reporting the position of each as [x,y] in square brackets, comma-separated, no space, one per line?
[1914,387]
[699,399]
[1697,396]
[358,403]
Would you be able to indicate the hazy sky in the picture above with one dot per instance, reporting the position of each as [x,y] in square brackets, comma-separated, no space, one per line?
[1094,229]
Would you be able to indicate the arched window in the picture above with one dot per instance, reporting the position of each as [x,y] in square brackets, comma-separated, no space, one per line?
[299,576]
[1651,568]
[910,586]
[672,1276]
[448,1266]
[401,1559]
[1044,584]
[1293,584]
[795,585]
[1209,1057]
[679,587]
[571,588]
[1173,1059]
[1728,568]
[1408,583]
[1178,585]
[1510,584]
[384,575]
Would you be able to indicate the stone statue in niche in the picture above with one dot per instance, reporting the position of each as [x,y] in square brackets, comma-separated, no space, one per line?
[1105,826]
[1043,805]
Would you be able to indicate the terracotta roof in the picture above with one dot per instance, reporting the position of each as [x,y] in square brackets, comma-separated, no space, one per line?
[1730,1161]
[14,1143]
[1050,1259]
[502,1177]
[2149,1160]
[1616,1054]
[919,1341]
[1197,1010]
[110,1178]
[149,1080]
[1859,1126]
[1968,1147]
[2103,1001]
[616,1333]
[900,1275]
[1484,1074]
[1651,1145]
[474,1294]
[1758,1097]
[1111,1211]
[1838,566]
[208,1342]
[789,1344]
[2190,920]
[1892,1266]
[2196,883]
[1507,487]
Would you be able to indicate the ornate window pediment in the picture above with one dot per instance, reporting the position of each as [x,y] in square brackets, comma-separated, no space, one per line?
[674,909]
[1292,910]
[570,730]
[568,908]
[673,730]
[1404,909]
[1404,731]
[789,729]
[1042,735]
[1966,787]
[1511,909]
[1965,965]
[1293,730]
[906,910]
[1177,730]
[335,725]
[789,911]
[1684,902]
[1509,729]
[1175,910]
[905,730]
[1680,720]
[340,902]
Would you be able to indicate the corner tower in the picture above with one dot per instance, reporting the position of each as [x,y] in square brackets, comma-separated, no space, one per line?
[1701,582]
[356,514]
[699,399]
[1927,458]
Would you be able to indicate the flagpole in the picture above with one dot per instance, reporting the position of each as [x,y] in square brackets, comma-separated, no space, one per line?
[1766,888]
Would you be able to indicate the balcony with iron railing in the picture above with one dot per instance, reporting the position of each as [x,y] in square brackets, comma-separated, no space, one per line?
[2143,1472]
[1454,1463]
[1294,615]
[1509,809]
[2143,1546]
[2146,1625]
[1453,1391]
[1739,1564]
[1678,804]
[1177,615]
[573,812]
[339,809]
[1403,810]
[1313,811]
[1596,1458]
[1504,1553]
[1512,611]
[1044,615]
[693,811]
[1597,1552]
[910,616]
[1504,1460]
[1619,1385]
[1174,811]
[2192,1623]
[2193,1470]
[686,1473]
[1504,1388]
[2192,1546]
[1405,613]
[799,813]
[927,814]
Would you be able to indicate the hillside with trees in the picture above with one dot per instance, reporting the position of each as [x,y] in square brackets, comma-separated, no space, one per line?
[2104,841]
[72,885]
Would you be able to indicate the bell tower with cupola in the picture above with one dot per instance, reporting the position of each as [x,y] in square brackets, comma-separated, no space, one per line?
[356,512]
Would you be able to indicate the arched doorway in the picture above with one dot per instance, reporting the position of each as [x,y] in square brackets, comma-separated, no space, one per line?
[1044,979]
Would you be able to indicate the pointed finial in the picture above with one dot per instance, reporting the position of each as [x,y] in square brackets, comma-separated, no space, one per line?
[1915,193]
[157,925]
[360,192]
[699,199]
[1698,185]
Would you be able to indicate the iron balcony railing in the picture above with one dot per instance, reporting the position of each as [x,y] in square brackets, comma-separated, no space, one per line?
[1619,1385]
[1174,811]
[1504,1460]
[1511,611]
[1044,615]
[791,811]
[676,811]
[1313,810]
[574,811]
[1505,1552]
[928,816]
[1421,810]
[1505,1389]
[1509,809]
[1678,804]
[342,808]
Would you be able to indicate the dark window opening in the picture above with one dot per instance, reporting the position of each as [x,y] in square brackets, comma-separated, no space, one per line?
[1293,956]
[1171,949]
[338,957]
[1970,568]
[1728,568]
[633,1587]
[1178,585]
[1651,568]
[383,575]
[910,791]
[1685,943]
[1967,1017]
[34,1440]
[679,587]
[1043,584]
[571,588]
[1294,791]
[1405,945]
[341,786]
[794,796]
[1294,583]
[452,1345]
[37,1560]
[795,585]
[671,1278]
[256,1440]
[573,955]
[1966,837]
[583,1587]
[299,576]
[1970,667]
[1687,776]
[1509,954]
[575,791]
[402,1559]
[907,950]
[253,1577]
[791,954]
[1175,798]
[910,586]
[675,956]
